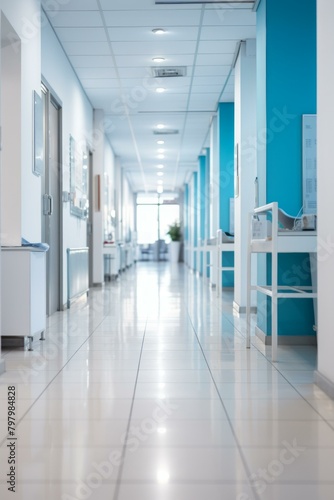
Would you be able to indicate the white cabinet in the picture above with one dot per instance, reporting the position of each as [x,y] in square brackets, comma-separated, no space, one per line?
[23,292]
[111,253]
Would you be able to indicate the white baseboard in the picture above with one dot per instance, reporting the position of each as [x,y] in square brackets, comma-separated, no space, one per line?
[324,383]
[242,309]
[286,339]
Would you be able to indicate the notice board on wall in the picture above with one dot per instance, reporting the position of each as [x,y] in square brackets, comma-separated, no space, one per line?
[309,127]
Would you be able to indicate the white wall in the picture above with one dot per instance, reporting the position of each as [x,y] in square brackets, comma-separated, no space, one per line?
[214,191]
[97,208]
[77,119]
[214,178]
[245,130]
[25,20]
[325,111]
[128,209]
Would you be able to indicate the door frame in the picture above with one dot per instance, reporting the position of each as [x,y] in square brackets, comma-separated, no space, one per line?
[54,100]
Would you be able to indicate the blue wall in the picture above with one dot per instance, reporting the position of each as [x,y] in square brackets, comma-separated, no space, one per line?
[226,178]
[286,71]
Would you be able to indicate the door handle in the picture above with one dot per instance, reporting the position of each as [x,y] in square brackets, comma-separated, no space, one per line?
[47,204]
[50,204]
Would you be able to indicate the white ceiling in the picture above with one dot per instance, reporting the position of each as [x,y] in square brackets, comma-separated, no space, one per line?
[110,44]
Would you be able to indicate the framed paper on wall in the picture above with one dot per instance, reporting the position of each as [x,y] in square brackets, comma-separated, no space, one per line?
[78,180]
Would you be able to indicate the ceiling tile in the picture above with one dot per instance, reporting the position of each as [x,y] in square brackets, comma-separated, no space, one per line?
[143,5]
[92,61]
[209,71]
[96,73]
[81,34]
[228,33]
[77,19]
[228,17]
[162,47]
[86,48]
[55,6]
[146,60]
[212,59]
[144,34]
[154,18]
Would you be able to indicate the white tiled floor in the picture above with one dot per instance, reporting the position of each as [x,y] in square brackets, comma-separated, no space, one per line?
[146,392]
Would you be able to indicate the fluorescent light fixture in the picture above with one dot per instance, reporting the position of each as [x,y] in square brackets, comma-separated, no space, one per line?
[160,90]
[160,126]
[158,59]
[158,31]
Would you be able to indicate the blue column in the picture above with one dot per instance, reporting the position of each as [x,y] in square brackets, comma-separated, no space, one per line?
[207,207]
[286,89]
[186,222]
[194,216]
[202,200]
[226,177]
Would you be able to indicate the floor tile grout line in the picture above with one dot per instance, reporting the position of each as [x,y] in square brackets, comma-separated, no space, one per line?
[127,432]
[295,388]
[278,370]
[52,380]
[242,456]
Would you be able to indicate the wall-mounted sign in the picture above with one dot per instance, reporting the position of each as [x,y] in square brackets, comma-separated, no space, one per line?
[309,164]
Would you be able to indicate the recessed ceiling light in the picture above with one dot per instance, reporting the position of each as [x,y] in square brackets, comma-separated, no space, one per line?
[160,166]
[160,90]
[158,59]
[160,150]
[160,142]
[158,31]
[160,126]
[161,157]
[160,173]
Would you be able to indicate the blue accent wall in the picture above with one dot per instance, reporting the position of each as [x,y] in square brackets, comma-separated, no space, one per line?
[286,88]
[226,178]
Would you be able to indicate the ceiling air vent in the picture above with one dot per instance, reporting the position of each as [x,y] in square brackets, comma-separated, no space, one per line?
[169,71]
[165,131]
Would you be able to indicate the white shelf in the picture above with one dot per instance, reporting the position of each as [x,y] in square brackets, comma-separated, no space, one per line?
[279,242]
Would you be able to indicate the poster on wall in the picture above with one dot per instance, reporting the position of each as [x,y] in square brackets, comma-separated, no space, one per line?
[309,164]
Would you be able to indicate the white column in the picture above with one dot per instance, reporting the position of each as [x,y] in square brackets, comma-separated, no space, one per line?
[98,197]
[214,193]
[2,363]
[245,133]
[325,111]
[11,192]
